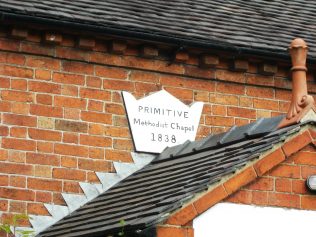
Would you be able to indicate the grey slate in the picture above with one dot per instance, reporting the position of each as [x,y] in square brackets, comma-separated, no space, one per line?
[251,24]
[178,174]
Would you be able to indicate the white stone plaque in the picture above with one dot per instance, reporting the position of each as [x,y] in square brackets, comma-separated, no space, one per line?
[160,120]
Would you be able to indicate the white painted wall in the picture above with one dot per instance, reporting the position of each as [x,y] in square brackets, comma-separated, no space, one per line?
[227,220]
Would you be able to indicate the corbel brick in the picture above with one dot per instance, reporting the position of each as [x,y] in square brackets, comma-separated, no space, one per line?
[149,51]
[240,180]
[173,231]
[181,57]
[19,33]
[240,65]
[268,69]
[86,43]
[269,161]
[297,143]
[209,60]
[118,47]
[52,38]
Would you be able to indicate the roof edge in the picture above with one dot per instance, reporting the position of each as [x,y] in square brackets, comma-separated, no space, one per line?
[144,36]
[255,169]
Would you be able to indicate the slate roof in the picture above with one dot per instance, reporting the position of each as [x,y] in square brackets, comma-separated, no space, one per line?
[255,25]
[177,175]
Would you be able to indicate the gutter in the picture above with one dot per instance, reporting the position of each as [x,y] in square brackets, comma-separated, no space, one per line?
[136,34]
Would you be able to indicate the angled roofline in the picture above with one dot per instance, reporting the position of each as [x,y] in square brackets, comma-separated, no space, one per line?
[144,36]
[215,194]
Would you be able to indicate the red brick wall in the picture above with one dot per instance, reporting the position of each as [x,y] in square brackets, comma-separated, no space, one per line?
[62,116]
[283,186]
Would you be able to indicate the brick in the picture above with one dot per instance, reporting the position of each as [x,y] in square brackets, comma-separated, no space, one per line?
[182,216]
[68,78]
[86,43]
[95,141]
[44,99]
[72,113]
[201,96]
[44,122]
[18,96]
[123,156]
[13,58]
[286,171]
[47,135]
[47,147]
[71,53]
[241,112]
[187,83]
[12,168]
[307,171]
[219,121]
[18,84]
[263,184]
[95,106]
[65,149]
[297,143]
[117,132]
[224,99]
[76,67]
[283,185]
[181,57]
[71,187]
[111,72]
[19,207]
[240,65]
[69,90]
[96,117]
[268,69]
[114,109]
[209,199]
[70,138]
[97,153]
[4,131]
[184,94]
[308,202]
[20,108]
[230,76]
[45,197]
[241,196]
[299,186]
[260,92]
[17,194]
[240,179]
[37,49]
[230,88]
[45,75]
[260,198]
[283,200]
[70,102]
[43,171]
[269,161]
[170,232]
[16,71]
[94,81]
[209,60]
[95,94]
[305,158]
[71,174]
[44,184]
[149,51]
[18,144]
[265,104]
[3,205]
[255,79]
[118,47]
[37,209]
[118,85]
[69,162]
[4,82]
[48,111]
[144,76]
[43,62]
[94,165]
[17,132]
[44,87]
[19,33]
[11,45]
[3,154]
[71,126]
[283,95]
